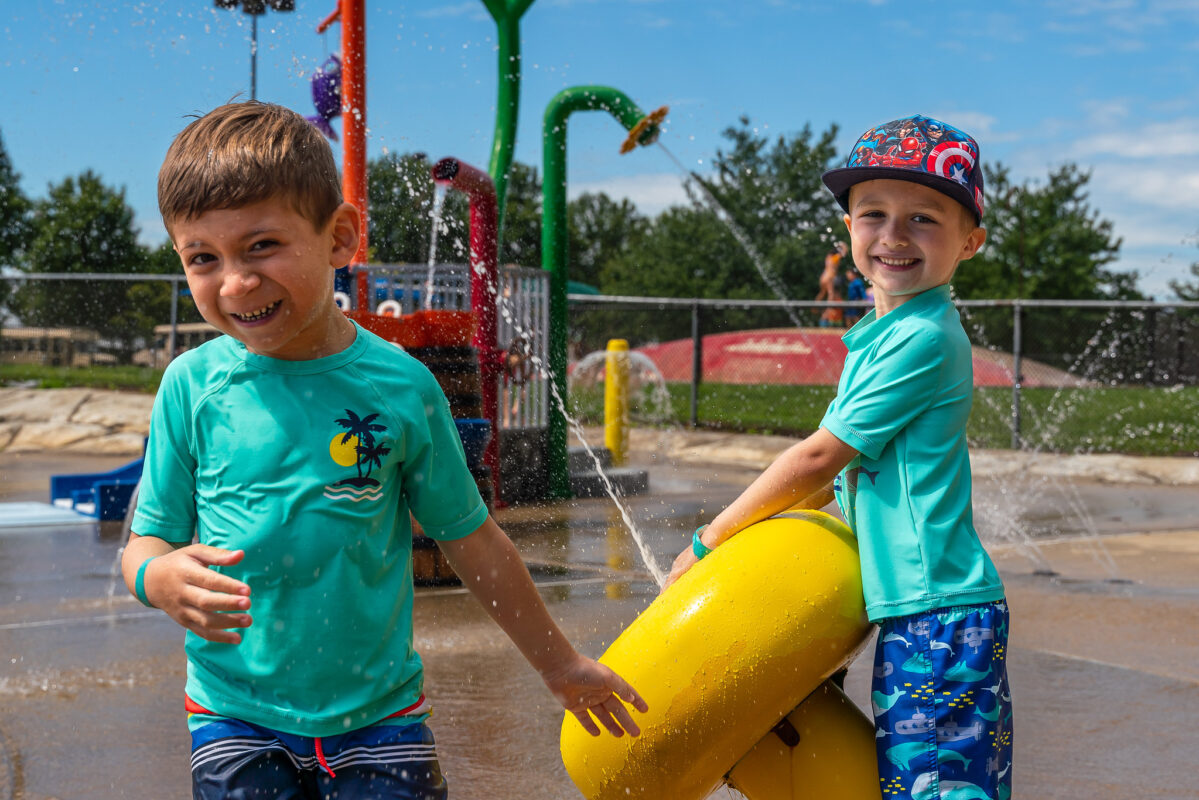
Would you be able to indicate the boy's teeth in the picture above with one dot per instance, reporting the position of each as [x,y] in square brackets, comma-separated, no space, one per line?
[259,314]
[898,262]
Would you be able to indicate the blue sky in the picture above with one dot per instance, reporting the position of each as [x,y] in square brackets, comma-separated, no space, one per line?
[1108,84]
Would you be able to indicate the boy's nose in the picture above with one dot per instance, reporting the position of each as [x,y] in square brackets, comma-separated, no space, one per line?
[895,234]
[238,282]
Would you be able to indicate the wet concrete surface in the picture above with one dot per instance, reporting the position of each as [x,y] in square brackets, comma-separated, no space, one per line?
[1104,657]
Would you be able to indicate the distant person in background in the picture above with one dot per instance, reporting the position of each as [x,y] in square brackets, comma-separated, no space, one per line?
[829,289]
[855,290]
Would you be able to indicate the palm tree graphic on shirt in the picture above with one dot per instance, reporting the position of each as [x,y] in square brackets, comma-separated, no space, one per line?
[357,447]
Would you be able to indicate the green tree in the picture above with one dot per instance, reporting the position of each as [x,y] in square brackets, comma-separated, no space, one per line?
[83,226]
[522,220]
[766,191]
[401,196]
[1044,241]
[601,231]
[14,217]
[764,204]
[1188,290]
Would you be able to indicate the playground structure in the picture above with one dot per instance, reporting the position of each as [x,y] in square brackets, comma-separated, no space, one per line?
[535,339]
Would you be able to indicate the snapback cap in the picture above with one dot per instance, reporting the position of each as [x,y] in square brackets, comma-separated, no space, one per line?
[917,149]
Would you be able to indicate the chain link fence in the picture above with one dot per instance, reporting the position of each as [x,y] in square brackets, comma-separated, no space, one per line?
[1060,376]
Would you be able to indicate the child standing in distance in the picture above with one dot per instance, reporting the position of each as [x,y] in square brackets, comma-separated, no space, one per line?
[295,448]
[894,440]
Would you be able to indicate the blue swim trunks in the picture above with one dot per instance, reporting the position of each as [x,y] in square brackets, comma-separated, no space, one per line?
[236,760]
[942,705]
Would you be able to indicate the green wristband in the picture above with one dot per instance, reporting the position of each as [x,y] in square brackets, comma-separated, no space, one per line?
[139,585]
[697,546]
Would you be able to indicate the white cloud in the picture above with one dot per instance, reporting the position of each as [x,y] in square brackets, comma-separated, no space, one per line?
[1158,140]
[651,193]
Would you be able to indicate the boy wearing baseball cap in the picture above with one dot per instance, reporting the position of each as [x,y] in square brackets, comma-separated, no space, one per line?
[893,443]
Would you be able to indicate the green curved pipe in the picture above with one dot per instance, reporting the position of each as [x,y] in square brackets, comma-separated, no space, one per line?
[507,14]
[554,240]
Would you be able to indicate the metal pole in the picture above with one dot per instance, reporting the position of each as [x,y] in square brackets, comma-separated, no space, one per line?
[173,339]
[1017,344]
[353,115]
[697,364]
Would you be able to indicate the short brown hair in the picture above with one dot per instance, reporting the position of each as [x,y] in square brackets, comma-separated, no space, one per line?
[244,153]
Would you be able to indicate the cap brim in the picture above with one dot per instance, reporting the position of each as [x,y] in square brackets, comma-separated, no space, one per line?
[839,181]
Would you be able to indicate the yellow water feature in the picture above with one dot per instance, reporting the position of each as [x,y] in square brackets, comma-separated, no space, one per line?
[724,655]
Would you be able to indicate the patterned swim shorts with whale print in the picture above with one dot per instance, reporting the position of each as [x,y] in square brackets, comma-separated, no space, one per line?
[942,705]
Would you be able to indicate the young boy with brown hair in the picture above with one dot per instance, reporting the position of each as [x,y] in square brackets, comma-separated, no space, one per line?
[294,450]
[893,442]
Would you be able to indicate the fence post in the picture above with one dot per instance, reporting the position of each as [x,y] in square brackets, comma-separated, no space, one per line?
[174,337]
[1017,377]
[1151,346]
[697,364]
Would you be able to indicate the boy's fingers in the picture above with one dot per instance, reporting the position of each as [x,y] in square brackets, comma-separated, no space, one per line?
[604,715]
[588,724]
[218,622]
[625,692]
[218,601]
[216,582]
[623,717]
[215,556]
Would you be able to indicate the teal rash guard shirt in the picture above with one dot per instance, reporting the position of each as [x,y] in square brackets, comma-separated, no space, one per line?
[902,402]
[310,467]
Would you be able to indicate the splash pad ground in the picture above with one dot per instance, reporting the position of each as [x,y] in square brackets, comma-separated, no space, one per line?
[1105,673]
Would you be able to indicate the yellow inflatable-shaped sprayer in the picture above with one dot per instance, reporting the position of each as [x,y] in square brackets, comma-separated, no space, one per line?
[724,658]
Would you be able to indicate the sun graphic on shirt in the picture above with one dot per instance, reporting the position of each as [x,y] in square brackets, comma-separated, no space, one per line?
[344,451]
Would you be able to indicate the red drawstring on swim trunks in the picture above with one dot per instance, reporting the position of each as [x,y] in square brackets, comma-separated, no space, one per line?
[320,757]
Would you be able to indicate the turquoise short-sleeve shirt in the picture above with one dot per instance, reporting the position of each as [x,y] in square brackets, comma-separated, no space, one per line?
[902,402]
[312,468]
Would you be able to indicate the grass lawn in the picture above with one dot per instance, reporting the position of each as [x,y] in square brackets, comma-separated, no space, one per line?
[1133,420]
[138,379]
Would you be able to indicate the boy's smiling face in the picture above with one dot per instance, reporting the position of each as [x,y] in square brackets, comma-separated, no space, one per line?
[907,238]
[264,275]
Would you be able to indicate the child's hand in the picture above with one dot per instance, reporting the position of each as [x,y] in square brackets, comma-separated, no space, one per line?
[182,585]
[585,687]
[685,561]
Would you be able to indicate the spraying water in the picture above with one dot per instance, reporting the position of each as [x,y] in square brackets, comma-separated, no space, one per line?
[690,184]
[506,307]
[439,194]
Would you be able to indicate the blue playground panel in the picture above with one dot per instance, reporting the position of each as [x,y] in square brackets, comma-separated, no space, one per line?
[107,494]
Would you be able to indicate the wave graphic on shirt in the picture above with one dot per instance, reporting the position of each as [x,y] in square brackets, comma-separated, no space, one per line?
[345,490]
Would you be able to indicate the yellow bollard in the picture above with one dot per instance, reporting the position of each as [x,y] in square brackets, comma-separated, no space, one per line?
[616,400]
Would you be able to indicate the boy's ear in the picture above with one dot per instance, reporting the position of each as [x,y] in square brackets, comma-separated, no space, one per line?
[344,230]
[974,241]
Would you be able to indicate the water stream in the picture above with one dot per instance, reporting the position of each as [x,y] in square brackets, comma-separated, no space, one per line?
[439,193]
[506,308]
[691,185]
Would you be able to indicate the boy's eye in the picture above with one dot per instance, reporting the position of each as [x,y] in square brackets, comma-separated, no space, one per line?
[200,259]
[924,219]
[264,244]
